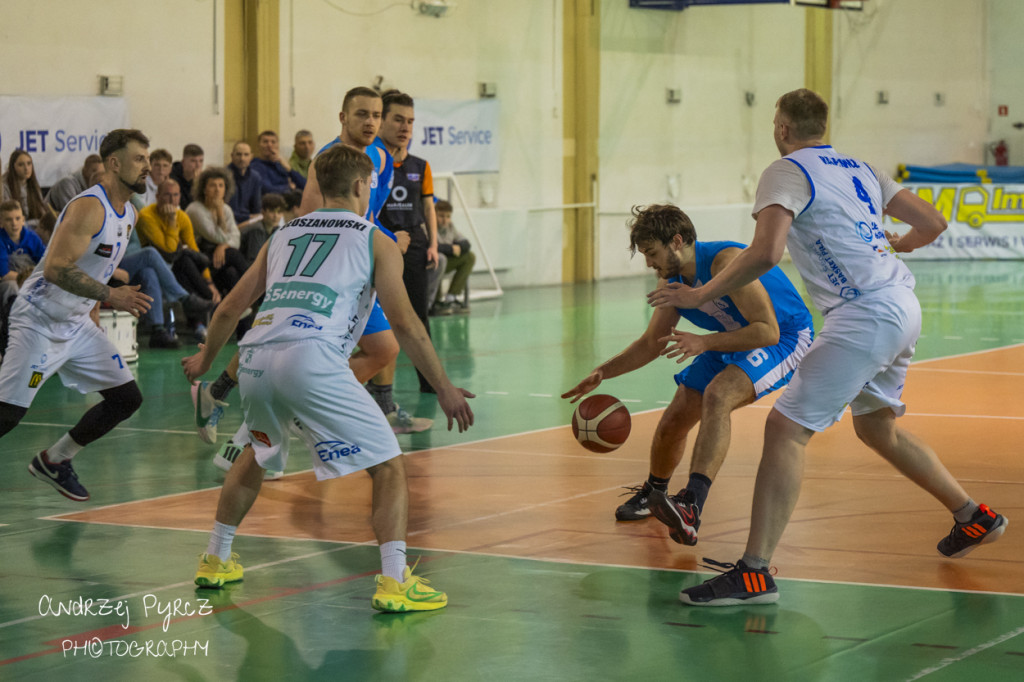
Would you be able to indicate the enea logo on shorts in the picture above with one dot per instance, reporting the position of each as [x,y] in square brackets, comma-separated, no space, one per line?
[335,449]
[303,322]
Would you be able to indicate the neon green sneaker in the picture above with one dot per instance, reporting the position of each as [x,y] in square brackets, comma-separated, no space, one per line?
[414,594]
[214,573]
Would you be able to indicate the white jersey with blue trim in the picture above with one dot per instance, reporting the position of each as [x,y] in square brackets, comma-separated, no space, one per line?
[836,240]
[319,281]
[58,313]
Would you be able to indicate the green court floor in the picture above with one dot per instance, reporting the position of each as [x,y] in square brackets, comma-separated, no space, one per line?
[303,611]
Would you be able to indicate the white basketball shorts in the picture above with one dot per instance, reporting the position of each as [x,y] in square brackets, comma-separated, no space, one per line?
[309,383]
[859,359]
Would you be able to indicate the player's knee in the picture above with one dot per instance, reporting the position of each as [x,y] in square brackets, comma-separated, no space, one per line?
[124,400]
[719,400]
[392,467]
[10,416]
[876,434]
[384,349]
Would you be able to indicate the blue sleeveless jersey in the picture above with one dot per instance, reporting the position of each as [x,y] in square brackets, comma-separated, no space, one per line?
[380,179]
[721,314]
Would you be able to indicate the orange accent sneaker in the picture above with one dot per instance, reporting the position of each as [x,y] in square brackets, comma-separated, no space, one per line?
[984,526]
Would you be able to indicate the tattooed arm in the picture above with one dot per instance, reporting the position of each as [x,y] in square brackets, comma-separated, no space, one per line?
[84,218]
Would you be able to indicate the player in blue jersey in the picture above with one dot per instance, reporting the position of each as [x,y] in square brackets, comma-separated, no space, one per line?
[361,116]
[826,207]
[759,334]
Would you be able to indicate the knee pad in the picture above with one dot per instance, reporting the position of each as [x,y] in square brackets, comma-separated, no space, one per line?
[124,400]
[10,416]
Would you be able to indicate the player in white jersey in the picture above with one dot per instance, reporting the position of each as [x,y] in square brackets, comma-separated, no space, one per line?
[360,118]
[50,327]
[827,207]
[320,274]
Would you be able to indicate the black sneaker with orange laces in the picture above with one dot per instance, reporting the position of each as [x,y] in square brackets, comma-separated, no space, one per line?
[738,584]
[984,526]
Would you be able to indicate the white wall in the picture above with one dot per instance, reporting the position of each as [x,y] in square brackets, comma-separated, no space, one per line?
[516,45]
[912,49]
[164,50]
[1006,68]
[705,153]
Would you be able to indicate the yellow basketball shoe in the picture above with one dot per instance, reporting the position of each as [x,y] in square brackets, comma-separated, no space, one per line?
[214,573]
[414,594]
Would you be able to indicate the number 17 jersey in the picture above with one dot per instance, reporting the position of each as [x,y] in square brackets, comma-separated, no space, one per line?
[319,281]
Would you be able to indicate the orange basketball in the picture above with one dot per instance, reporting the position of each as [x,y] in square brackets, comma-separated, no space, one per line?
[601,423]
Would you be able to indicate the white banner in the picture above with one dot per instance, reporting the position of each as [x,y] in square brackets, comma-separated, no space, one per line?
[457,136]
[58,132]
[985,221]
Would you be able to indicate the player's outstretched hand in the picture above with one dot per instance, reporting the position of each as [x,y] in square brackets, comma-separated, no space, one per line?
[592,381]
[682,345]
[453,403]
[196,365]
[129,299]
[674,295]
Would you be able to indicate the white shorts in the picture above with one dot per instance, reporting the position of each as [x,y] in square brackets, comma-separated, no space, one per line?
[859,359]
[88,362]
[309,384]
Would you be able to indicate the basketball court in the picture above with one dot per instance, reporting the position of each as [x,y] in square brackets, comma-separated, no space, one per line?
[515,521]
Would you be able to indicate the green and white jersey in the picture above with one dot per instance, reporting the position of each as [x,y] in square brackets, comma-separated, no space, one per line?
[319,281]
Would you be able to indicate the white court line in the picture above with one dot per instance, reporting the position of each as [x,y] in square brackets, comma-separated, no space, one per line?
[172,586]
[946,662]
[968,354]
[518,510]
[969,371]
[119,428]
[558,560]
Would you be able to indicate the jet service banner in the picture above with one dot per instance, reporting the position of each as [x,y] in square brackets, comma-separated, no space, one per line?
[58,132]
[457,136]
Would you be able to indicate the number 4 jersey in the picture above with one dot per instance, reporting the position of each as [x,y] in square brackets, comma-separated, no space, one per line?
[836,240]
[319,281]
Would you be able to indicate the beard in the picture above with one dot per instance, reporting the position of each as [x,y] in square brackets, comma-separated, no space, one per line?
[673,266]
[139,186]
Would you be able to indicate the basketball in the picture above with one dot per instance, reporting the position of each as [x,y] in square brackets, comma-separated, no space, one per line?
[601,423]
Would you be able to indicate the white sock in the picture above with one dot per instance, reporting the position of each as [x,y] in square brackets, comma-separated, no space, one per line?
[63,450]
[966,512]
[220,541]
[392,560]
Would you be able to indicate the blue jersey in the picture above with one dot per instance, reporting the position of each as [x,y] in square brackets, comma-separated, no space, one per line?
[380,179]
[721,314]
[385,165]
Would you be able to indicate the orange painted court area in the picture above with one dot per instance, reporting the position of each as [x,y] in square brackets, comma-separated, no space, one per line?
[541,495]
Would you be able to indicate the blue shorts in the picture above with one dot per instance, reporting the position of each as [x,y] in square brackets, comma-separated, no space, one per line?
[769,368]
[377,322]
